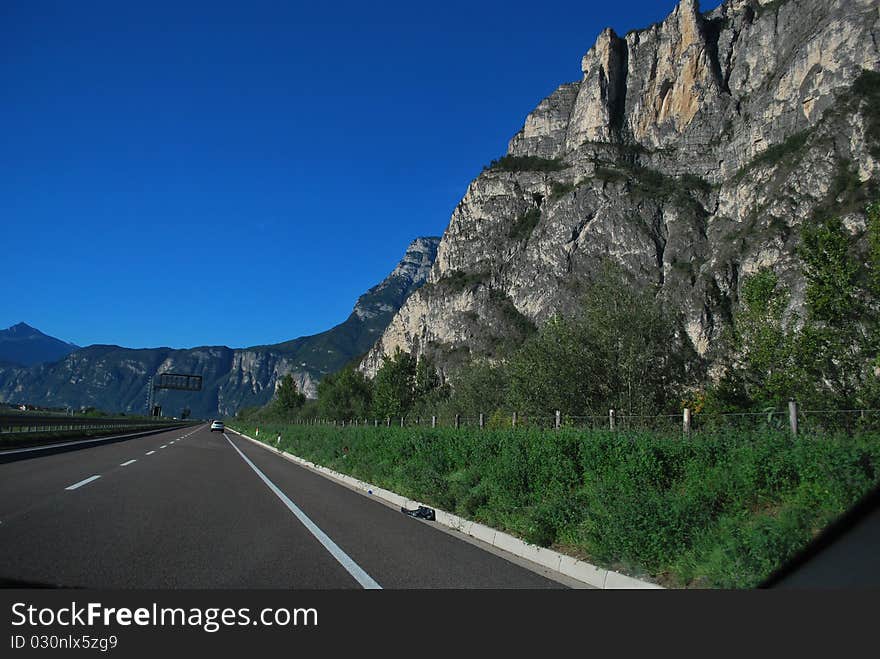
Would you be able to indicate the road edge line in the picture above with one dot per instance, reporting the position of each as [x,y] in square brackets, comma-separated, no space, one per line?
[347,562]
[574,568]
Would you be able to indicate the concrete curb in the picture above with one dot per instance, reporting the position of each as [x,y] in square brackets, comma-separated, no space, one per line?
[567,565]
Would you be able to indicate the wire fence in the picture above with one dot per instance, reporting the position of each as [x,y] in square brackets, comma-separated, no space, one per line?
[794,420]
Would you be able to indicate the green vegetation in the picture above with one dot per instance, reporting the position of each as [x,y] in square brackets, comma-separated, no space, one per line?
[866,90]
[288,397]
[525,164]
[789,152]
[394,386]
[655,185]
[456,281]
[846,194]
[873,237]
[620,352]
[524,225]
[720,510]
[520,325]
[558,189]
[345,395]
[828,359]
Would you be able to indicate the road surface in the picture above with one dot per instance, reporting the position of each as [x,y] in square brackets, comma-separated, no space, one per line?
[190,508]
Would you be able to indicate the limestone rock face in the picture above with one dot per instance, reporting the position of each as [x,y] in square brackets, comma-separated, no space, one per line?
[599,107]
[691,153]
[671,76]
[545,129]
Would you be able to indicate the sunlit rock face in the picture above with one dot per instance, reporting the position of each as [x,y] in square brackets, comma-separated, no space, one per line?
[691,153]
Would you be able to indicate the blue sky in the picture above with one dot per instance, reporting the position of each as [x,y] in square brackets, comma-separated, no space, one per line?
[237,173]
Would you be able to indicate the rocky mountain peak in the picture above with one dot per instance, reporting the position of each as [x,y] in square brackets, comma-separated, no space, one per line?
[409,274]
[24,345]
[691,153]
[23,329]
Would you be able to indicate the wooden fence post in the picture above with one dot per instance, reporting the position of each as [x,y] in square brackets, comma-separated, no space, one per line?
[686,421]
[793,416]
[401,422]
[611,419]
[457,421]
[433,421]
[482,421]
[388,421]
[558,419]
[514,419]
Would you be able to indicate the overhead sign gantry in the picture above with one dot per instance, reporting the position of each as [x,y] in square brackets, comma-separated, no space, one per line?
[178,381]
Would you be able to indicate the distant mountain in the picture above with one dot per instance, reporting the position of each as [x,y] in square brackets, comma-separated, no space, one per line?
[23,345]
[331,350]
[115,379]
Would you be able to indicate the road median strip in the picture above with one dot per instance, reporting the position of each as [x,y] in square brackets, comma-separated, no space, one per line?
[69,444]
[568,565]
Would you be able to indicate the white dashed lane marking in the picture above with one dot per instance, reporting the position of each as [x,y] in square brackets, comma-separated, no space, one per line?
[83,482]
[150,452]
[125,464]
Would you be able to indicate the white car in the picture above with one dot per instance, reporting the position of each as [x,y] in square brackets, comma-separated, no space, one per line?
[217,425]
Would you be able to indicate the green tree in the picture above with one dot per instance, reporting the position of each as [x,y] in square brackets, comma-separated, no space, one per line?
[426,378]
[288,398]
[838,343]
[828,358]
[394,385]
[430,390]
[624,350]
[873,230]
[345,395]
[830,273]
[762,369]
[479,387]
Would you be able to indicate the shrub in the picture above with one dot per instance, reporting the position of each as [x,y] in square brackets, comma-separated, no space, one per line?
[524,225]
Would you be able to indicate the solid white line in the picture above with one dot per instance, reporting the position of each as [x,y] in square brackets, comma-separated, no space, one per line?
[344,559]
[125,464]
[83,482]
[150,452]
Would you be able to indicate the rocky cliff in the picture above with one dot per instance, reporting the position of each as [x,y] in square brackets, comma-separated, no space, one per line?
[116,379]
[691,153]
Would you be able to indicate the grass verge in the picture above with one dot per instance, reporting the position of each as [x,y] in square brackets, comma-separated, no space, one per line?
[710,511]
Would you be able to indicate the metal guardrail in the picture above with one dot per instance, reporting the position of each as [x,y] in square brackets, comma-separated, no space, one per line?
[27,423]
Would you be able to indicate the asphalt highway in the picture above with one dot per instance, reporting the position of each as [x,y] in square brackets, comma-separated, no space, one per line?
[189,508]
